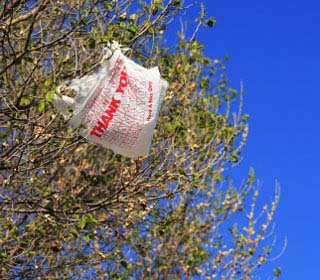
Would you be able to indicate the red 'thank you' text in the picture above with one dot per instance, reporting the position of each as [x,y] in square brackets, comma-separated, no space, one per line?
[103,122]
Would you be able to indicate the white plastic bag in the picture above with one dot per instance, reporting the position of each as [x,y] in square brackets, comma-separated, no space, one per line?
[118,105]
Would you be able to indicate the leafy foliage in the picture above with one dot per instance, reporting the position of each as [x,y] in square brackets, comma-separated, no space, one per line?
[70,209]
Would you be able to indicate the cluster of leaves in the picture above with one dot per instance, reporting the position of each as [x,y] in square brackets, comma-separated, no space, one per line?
[70,209]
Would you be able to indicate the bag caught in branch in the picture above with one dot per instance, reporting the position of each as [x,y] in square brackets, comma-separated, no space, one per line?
[117,106]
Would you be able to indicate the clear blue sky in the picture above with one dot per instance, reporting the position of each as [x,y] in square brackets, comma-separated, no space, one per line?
[274,48]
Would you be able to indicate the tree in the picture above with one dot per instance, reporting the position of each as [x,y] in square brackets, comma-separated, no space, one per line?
[71,209]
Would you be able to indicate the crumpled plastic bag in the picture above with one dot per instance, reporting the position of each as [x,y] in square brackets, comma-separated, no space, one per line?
[118,105]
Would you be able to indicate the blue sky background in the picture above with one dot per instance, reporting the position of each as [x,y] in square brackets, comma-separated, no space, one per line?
[274,47]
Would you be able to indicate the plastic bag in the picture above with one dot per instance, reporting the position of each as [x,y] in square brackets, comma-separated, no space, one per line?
[118,105]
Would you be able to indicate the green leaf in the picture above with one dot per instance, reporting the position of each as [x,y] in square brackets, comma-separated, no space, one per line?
[90,219]
[251,177]
[133,17]
[196,179]
[49,96]
[26,100]
[47,82]
[245,117]
[92,43]
[123,24]
[215,101]
[277,271]
[3,255]
[87,238]
[234,158]
[132,29]
[204,83]
[41,106]
[57,92]
[211,21]
[108,5]
[82,222]
[107,37]
[73,233]
[87,220]
[170,127]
